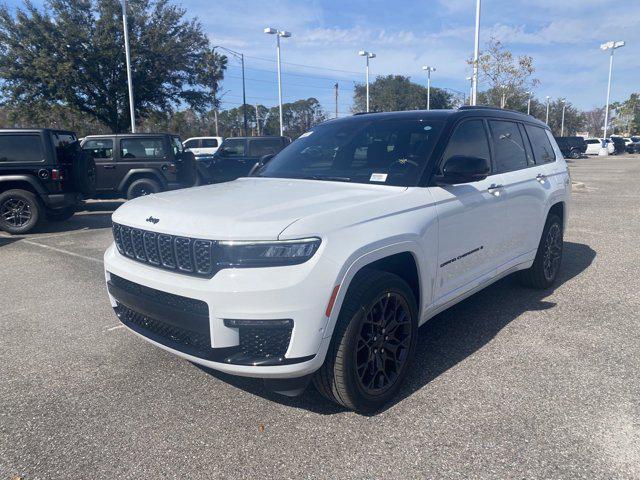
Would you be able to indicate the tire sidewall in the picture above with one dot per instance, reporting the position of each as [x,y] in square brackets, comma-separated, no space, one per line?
[365,401]
[35,207]
[553,219]
[152,186]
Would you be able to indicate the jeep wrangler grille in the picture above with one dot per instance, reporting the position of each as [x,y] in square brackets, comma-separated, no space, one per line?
[190,256]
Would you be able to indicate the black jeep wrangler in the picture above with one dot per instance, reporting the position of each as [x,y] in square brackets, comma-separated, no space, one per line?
[136,164]
[571,147]
[43,175]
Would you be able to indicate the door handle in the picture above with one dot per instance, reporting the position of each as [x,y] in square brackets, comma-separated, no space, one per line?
[109,167]
[541,178]
[495,189]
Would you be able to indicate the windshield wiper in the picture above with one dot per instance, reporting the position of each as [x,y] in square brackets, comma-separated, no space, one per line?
[327,178]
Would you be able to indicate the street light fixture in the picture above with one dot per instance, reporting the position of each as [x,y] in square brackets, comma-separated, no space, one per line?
[244,93]
[612,45]
[428,69]
[476,55]
[278,34]
[564,104]
[127,51]
[368,56]
[547,119]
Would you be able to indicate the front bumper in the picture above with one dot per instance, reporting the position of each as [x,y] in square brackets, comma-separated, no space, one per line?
[249,295]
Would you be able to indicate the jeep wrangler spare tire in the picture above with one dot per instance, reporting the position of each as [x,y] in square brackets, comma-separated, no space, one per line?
[84,173]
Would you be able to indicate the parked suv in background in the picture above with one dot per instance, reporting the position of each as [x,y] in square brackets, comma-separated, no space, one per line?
[324,264]
[619,145]
[43,174]
[572,147]
[138,164]
[202,145]
[634,146]
[237,156]
[595,144]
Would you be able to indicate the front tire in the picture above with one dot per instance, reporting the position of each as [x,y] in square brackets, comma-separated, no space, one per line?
[20,211]
[373,343]
[142,187]
[546,266]
[574,153]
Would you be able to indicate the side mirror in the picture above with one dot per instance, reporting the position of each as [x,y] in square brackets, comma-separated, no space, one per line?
[463,169]
[260,163]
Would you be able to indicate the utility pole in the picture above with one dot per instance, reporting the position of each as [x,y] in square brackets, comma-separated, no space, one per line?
[215,119]
[127,51]
[336,89]
[257,120]
[476,55]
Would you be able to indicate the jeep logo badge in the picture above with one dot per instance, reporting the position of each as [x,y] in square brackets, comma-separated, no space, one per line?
[153,220]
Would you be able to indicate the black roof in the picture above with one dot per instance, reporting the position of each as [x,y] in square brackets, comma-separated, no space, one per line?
[449,115]
[109,135]
[35,130]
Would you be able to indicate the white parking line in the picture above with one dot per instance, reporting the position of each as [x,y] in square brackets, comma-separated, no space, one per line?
[115,328]
[60,250]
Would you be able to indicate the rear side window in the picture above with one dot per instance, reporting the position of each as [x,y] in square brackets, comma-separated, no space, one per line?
[21,148]
[191,144]
[592,141]
[267,146]
[542,149]
[99,148]
[233,147]
[509,151]
[209,143]
[469,140]
[141,148]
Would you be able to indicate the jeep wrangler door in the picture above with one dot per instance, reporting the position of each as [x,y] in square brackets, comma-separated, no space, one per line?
[107,176]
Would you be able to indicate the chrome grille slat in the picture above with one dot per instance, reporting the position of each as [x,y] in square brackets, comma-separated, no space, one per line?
[189,256]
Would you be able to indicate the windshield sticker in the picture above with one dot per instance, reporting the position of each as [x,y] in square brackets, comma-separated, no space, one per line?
[378,177]
[306,134]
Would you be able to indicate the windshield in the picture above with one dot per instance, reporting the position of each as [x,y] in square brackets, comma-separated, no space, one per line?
[388,152]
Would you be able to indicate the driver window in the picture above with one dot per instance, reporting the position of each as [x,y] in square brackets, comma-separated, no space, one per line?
[470,140]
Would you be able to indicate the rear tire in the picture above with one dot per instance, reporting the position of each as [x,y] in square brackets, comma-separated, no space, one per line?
[142,187]
[373,343]
[544,271]
[20,211]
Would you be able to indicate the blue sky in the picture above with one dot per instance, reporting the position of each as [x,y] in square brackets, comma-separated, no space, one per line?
[562,36]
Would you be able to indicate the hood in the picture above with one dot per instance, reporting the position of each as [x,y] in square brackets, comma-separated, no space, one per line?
[247,208]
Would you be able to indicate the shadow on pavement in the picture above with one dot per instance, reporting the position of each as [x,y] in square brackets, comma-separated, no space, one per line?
[450,337]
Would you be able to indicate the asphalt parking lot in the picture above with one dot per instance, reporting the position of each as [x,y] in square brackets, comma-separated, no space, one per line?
[511,383]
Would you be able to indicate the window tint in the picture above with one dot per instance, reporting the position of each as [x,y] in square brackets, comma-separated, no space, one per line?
[191,144]
[592,141]
[141,148]
[390,151]
[233,147]
[21,148]
[469,140]
[509,152]
[527,146]
[266,146]
[99,148]
[542,149]
[61,139]
[209,143]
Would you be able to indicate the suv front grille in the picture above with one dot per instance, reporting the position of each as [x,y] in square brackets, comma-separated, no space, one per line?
[191,256]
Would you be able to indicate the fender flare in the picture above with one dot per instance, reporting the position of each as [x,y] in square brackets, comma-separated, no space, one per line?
[146,172]
[359,260]
[25,178]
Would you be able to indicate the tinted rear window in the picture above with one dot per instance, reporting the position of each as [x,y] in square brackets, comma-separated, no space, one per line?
[209,143]
[141,148]
[21,148]
[266,146]
[509,148]
[542,149]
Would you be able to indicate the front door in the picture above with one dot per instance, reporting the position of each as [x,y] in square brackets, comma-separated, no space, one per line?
[231,161]
[101,149]
[471,219]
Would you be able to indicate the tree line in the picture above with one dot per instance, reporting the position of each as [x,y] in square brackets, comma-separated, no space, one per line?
[64,67]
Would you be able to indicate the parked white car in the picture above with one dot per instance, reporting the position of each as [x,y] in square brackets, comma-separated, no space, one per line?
[595,144]
[323,265]
[202,145]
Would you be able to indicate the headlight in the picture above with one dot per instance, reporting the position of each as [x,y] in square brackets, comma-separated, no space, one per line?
[265,254]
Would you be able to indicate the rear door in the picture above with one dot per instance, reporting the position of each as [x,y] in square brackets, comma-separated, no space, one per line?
[101,149]
[525,183]
[471,219]
[143,153]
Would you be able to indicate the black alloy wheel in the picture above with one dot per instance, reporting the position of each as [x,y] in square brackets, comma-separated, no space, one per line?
[552,252]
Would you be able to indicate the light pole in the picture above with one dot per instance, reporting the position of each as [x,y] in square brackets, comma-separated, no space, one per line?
[244,93]
[470,80]
[476,55]
[562,123]
[547,119]
[368,56]
[278,34]
[608,46]
[428,69]
[127,52]
[529,103]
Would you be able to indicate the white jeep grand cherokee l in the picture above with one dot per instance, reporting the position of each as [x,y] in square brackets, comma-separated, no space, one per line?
[325,262]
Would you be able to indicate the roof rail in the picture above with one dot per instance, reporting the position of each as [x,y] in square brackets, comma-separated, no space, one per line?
[488,107]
